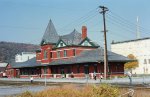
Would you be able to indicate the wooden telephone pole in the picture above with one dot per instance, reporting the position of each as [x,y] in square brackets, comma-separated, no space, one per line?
[104,9]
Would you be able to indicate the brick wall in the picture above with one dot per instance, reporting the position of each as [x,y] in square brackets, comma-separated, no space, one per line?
[70,52]
[46,48]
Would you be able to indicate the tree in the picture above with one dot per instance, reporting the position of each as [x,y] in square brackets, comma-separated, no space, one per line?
[133,64]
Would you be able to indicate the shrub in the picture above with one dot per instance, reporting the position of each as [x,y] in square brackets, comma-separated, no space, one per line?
[103,90]
[26,94]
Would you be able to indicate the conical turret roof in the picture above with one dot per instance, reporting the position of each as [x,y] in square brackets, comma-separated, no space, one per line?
[50,35]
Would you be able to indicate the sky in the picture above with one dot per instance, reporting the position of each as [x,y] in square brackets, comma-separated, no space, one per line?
[25,21]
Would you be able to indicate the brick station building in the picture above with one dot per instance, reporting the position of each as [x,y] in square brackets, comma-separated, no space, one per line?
[71,55]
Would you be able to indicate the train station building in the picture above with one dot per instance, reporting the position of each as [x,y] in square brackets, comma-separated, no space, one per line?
[72,55]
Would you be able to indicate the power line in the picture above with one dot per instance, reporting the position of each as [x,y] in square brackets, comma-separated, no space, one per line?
[84,18]
[88,19]
[129,23]
[121,24]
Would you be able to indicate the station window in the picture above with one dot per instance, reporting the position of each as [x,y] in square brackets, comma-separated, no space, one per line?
[95,68]
[65,53]
[58,54]
[45,54]
[86,69]
[51,55]
[45,70]
[78,68]
[68,69]
[74,52]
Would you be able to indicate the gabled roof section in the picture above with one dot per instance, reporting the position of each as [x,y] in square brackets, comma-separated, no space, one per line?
[50,35]
[88,42]
[74,38]
[61,43]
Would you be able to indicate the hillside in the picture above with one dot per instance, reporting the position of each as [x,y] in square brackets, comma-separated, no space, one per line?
[8,50]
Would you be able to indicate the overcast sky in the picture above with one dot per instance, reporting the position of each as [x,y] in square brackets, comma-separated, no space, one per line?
[26,20]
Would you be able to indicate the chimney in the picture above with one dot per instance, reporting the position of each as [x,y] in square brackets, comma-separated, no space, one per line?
[84,32]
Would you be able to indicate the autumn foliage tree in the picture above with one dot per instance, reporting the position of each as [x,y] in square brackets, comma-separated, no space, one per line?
[133,64]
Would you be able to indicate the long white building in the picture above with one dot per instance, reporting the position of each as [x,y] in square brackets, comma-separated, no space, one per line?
[140,48]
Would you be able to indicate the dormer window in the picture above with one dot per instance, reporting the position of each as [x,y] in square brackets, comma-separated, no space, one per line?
[86,43]
[61,44]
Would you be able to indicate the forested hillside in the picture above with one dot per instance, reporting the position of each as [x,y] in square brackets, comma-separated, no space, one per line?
[8,50]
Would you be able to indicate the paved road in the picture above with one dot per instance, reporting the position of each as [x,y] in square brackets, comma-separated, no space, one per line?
[135,80]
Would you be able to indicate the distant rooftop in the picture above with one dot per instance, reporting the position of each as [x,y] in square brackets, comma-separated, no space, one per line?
[22,53]
[3,64]
[131,40]
[28,52]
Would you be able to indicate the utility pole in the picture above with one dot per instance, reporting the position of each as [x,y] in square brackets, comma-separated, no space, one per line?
[104,9]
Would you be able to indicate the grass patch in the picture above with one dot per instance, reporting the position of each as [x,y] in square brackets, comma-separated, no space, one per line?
[103,90]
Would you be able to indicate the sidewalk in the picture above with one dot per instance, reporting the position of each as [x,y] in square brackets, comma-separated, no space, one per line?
[135,81]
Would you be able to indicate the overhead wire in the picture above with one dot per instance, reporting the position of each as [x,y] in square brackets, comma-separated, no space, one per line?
[82,19]
[129,23]
[123,34]
[91,14]
[121,24]
[112,18]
